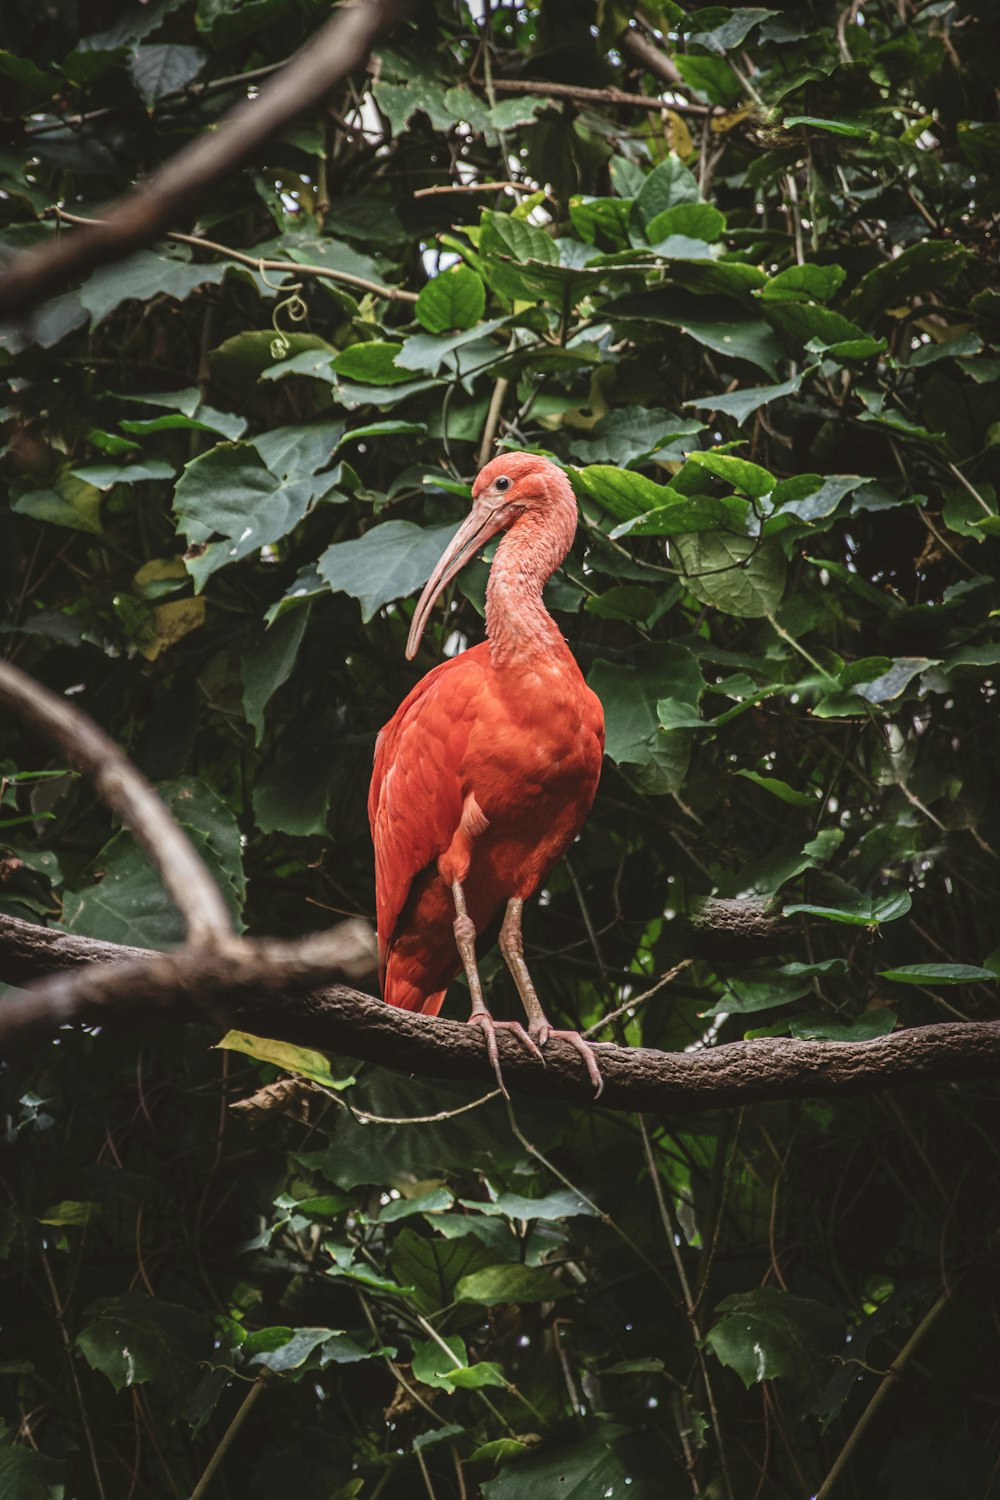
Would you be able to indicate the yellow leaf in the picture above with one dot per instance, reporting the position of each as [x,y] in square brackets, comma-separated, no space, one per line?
[302,1060]
[719,124]
[176,617]
[678,136]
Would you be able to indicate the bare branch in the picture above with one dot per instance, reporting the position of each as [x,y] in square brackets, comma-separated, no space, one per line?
[604,97]
[189,885]
[170,194]
[241,992]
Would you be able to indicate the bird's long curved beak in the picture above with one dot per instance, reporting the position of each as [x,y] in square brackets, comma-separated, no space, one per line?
[484,520]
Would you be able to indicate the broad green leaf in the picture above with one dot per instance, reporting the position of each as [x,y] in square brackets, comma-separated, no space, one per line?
[724,36]
[582,1470]
[70,1211]
[835,127]
[269,663]
[764,993]
[134,1339]
[808,283]
[749,478]
[302,1060]
[296,451]
[437,1268]
[510,1283]
[70,501]
[630,694]
[628,602]
[372,364]
[780,789]
[474,1377]
[766,1334]
[711,78]
[810,497]
[928,263]
[935,974]
[285,1350]
[894,682]
[142,276]
[699,221]
[435,1367]
[742,404]
[867,911]
[165,69]
[388,562]
[868,1027]
[103,476]
[628,433]
[454,299]
[437,1201]
[28,1475]
[561,1204]
[738,575]
[716,322]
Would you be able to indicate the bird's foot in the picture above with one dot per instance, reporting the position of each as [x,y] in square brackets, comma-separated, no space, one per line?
[543,1032]
[485,1021]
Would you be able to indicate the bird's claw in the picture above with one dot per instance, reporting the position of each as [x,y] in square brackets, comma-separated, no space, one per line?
[541,1035]
[489,1026]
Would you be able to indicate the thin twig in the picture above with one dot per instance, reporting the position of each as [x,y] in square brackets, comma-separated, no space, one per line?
[892,1375]
[251,1398]
[600,97]
[256,263]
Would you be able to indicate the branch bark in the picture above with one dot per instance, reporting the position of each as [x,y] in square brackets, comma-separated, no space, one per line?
[127,986]
[170,194]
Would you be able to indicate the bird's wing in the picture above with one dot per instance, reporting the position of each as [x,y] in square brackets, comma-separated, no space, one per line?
[416,796]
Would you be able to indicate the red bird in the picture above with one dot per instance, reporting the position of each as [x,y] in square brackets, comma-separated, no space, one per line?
[486,771]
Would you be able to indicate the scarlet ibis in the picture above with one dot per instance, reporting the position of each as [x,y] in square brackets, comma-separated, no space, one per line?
[486,771]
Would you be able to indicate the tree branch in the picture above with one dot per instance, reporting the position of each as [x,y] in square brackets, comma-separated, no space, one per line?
[126,986]
[171,192]
[129,794]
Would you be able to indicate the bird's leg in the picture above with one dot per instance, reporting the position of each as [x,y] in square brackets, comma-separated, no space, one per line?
[465,941]
[539,1029]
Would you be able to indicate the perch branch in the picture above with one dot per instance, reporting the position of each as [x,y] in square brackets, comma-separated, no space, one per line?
[601,97]
[171,192]
[242,992]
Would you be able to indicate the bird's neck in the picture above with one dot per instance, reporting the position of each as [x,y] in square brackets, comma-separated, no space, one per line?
[517,623]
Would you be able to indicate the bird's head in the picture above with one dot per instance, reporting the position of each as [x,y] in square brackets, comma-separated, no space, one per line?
[509,487]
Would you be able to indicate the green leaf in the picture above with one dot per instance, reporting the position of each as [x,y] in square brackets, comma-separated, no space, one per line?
[867,911]
[103,476]
[435,1268]
[432,1366]
[698,221]
[142,276]
[935,974]
[582,1470]
[630,694]
[891,684]
[724,36]
[562,1204]
[628,433]
[766,992]
[301,1060]
[230,492]
[711,78]
[284,1350]
[70,501]
[510,1283]
[165,69]
[455,299]
[743,403]
[868,1027]
[767,1334]
[388,562]
[811,497]
[737,575]
[474,1377]
[780,789]
[749,478]
[372,364]
[269,663]
[928,263]
[808,283]
[27,1475]
[70,1211]
[835,127]
[134,1339]
[627,602]
[716,322]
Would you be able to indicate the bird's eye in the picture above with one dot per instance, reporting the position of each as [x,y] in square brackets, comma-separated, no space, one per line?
[501,484]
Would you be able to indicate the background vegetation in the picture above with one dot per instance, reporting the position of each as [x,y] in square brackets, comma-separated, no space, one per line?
[758,327]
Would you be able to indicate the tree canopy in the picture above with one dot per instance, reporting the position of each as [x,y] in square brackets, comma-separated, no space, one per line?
[735,269]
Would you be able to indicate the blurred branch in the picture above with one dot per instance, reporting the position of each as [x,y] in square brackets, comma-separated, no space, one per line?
[244,988]
[128,793]
[603,97]
[170,194]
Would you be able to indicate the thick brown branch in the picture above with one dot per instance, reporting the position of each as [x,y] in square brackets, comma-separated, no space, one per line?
[129,794]
[242,993]
[171,193]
